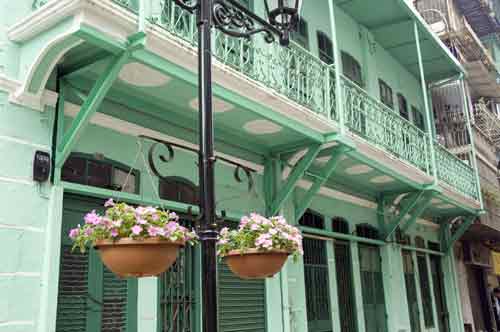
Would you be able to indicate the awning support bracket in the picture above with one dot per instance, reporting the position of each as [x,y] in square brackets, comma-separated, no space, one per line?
[449,239]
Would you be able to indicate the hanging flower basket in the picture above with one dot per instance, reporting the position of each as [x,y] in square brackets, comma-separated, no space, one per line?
[133,242]
[260,247]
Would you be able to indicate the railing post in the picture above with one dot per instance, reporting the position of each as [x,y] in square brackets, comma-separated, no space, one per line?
[337,61]
[426,103]
[466,110]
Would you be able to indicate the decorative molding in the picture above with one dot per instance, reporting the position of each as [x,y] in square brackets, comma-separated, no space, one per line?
[11,86]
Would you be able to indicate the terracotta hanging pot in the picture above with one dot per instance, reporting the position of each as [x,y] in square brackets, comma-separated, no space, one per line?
[255,264]
[129,257]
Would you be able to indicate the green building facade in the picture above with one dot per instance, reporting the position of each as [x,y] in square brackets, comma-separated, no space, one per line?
[335,132]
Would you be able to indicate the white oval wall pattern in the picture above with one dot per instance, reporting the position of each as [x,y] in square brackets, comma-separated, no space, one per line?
[219,106]
[137,74]
[382,179]
[358,169]
[262,127]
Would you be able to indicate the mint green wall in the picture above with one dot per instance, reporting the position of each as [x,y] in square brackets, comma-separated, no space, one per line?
[23,217]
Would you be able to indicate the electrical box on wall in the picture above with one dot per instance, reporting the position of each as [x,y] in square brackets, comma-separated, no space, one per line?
[41,166]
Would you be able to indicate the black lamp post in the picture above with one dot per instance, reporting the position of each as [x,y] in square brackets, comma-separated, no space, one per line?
[234,19]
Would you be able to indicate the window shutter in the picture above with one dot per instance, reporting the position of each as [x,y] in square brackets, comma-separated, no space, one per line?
[114,299]
[418,118]
[72,297]
[403,107]
[301,34]
[425,290]
[325,47]
[351,68]
[242,305]
[386,94]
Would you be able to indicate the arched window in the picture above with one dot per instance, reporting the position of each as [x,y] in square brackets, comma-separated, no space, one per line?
[178,189]
[312,219]
[97,171]
[340,225]
[419,242]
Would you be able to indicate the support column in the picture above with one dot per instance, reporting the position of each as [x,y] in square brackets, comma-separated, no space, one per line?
[356,275]
[338,66]
[428,121]
[466,110]
[332,276]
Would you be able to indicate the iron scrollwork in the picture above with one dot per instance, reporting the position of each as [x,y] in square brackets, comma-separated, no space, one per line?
[154,156]
[188,5]
[235,20]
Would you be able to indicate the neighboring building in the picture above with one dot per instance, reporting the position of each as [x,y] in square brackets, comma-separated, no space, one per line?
[334,132]
[470,29]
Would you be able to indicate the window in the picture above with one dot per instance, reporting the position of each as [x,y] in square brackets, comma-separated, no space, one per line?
[418,118]
[325,47]
[367,231]
[340,225]
[178,190]
[351,68]
[301,35]
[99,172]
[403,107]
[385,94]
[425,290]
[312,219]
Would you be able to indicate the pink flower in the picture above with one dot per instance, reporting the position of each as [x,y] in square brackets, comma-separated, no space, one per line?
[153,231]
[109,203]
[92,218]
[136,230]
[173,216]
[74,233]
[171,226]
[142,221]
[255,227]
[114,232]
[88,232]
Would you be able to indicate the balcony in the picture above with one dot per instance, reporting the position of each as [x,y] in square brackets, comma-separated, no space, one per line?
[299,77]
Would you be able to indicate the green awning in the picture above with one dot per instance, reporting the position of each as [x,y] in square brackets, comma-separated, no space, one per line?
[392,24]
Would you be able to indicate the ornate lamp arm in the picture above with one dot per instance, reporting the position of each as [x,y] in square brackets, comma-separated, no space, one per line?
[188,5]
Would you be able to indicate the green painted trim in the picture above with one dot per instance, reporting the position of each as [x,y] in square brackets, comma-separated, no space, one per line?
[95,291]
[428,120]
[422,250]
[459,232]
[471,137]
[85,65]
[340,236]
[326,172]
[89,107]
[381,213]
[416,274]
[431,286]
[334,297]
[424,204]
[357,285]
[96,192]
[296,174]
[132,304]
[337,68]
[407,207]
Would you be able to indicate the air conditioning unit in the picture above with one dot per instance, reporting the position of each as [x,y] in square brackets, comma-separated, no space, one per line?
[476,254]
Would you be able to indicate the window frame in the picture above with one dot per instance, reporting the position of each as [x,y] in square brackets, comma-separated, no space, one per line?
[386,94]
[301,34]
[325,47]
[352,68]
[88,157]
[417,114]
[403,106]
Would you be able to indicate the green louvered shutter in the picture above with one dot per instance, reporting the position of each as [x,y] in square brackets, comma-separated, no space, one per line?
[372,289]
[72,298]
[411,291]
[242,304]
[90,297]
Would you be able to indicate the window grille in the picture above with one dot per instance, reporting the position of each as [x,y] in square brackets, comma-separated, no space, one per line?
[345,287]
[425,290]
[411,291]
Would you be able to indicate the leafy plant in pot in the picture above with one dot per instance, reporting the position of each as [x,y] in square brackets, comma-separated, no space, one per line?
[260,246]
[133,242]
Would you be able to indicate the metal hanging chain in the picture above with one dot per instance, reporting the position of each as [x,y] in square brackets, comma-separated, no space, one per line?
[131,169]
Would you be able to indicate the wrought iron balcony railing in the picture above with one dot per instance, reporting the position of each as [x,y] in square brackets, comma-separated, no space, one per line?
[302,77]
[455,172]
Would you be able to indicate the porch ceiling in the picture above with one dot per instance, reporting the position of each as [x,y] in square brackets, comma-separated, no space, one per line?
[174,101]
[392,24]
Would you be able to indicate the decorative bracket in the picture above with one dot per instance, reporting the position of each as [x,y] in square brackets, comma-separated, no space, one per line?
[298,171]
[448,239]
[413,206]
[169,146]
[326,172]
